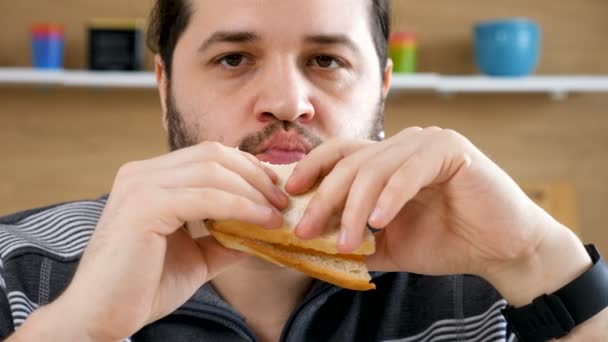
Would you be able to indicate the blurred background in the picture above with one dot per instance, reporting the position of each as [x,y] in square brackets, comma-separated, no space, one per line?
[64,134]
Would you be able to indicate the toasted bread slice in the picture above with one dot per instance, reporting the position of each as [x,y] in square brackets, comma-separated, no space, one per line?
[291,216]
[345,271]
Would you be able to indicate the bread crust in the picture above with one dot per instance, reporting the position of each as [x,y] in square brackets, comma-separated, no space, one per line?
[325,243]
[302,261]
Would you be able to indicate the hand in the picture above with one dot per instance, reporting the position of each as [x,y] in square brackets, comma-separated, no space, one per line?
[139,265]
[444,207]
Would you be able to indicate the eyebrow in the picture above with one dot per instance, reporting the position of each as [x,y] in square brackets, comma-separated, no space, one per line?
[333,39]
[250,37]
[229,37]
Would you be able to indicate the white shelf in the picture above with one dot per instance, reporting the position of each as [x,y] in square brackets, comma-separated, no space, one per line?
[78,78]
[557,86]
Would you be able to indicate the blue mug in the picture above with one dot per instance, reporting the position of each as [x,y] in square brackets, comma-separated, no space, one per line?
[508,47]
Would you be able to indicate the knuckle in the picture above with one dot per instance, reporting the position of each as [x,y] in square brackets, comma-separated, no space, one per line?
[344,144]
[455,139]
[393,188]
[212,167]
[366,174]
[433,129]
[338,141]
[135,186]
[127,177]
[212,146]
[344,165]
[451,135]
[127,169]
[237,202]
[410,130]
[322,194]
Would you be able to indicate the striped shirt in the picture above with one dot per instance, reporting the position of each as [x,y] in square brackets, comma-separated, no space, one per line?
[40,248]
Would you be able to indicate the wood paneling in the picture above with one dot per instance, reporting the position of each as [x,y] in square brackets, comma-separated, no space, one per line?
[18,16]
[574,32]
[534,139]
[59,145]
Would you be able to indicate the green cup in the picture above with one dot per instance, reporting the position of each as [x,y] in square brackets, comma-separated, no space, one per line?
[403,50]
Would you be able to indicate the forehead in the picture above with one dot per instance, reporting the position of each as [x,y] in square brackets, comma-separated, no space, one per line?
[282,18]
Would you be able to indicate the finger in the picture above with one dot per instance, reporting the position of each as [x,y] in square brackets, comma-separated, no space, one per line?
[319,162]
[335,187]
[370,181]
[273,176]
[212,175]
[364,193]
[331,194]
[244,165]
[380,261]
[256,174]
[177,206]
[199,152]
[424,168]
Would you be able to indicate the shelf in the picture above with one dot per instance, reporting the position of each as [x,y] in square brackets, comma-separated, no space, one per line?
[78,78]
[557,86]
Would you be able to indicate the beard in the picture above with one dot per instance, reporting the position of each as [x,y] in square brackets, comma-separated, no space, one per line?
[181,135]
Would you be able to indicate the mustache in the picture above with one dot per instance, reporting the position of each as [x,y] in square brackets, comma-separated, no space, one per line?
[251,142]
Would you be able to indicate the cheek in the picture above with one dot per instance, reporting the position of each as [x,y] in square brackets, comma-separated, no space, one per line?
[212,116]
[352,114]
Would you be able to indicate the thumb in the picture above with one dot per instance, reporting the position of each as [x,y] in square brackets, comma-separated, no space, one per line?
[381,260]
[218,257]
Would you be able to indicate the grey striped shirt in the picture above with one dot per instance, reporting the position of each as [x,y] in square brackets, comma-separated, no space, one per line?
[39,251]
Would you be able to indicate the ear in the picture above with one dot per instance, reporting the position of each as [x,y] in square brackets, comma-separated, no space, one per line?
[162,83]
[388,72]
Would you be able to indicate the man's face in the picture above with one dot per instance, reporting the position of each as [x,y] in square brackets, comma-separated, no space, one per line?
[274,77]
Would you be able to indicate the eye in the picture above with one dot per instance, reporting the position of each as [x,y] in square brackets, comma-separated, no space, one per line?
[326,62]
[232,60]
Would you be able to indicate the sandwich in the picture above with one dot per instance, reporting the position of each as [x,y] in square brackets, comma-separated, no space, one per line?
[317,257]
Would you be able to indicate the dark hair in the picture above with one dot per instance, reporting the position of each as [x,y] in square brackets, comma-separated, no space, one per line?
[169,19]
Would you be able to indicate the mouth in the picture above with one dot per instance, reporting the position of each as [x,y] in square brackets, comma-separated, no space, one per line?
[283,148]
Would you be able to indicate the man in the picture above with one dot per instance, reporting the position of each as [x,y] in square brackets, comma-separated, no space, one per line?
[285,81]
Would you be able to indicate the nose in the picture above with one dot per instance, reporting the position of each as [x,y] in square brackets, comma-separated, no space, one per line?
[283,94]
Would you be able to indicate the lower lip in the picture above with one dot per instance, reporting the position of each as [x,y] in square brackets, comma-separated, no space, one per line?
[276,156]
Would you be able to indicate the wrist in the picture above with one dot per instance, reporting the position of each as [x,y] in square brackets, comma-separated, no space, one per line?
[556,261]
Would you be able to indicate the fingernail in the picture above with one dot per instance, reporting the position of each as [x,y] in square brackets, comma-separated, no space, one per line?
[375,216]
[273,176]
[342,239]
[274,220]
[280,195]
[303,224]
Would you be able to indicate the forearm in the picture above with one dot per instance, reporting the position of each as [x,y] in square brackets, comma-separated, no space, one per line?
[50,323]
[595,329]
[560,259]
[556,263]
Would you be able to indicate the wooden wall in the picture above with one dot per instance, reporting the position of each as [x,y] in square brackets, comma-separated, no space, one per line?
[64,144]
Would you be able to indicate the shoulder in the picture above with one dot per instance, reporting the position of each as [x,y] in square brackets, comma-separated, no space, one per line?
[59,231]
[39,252]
